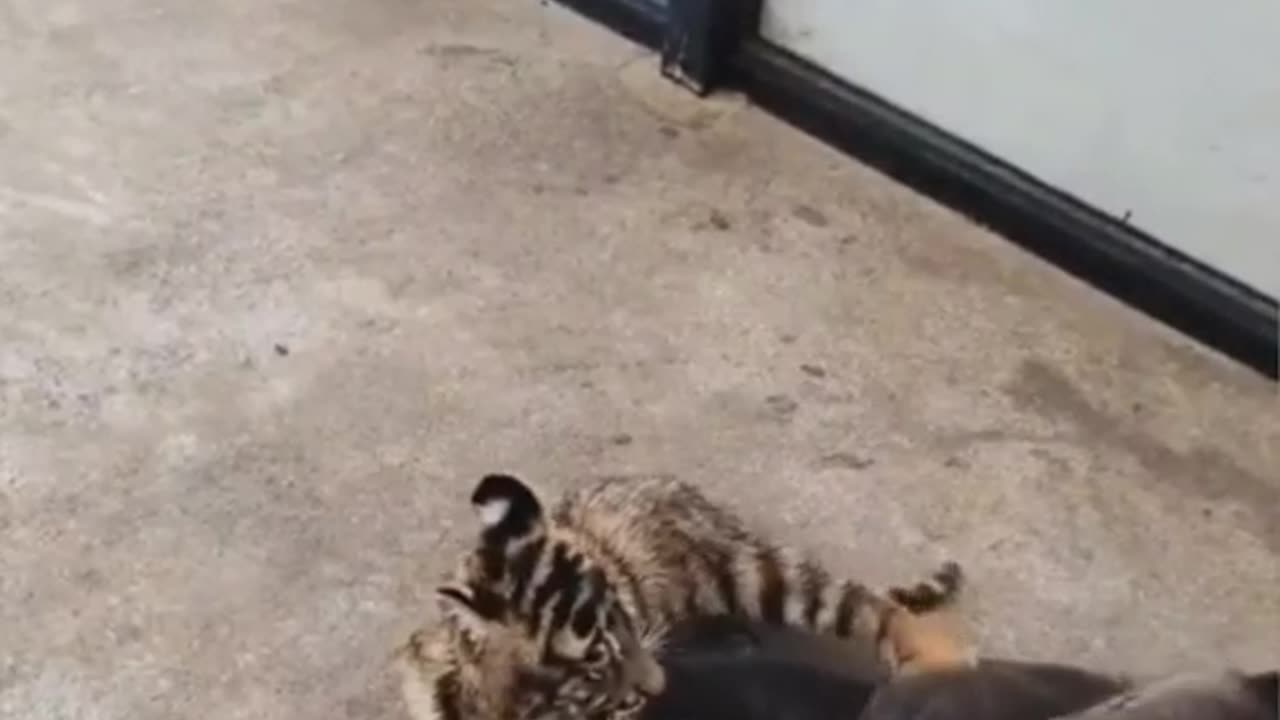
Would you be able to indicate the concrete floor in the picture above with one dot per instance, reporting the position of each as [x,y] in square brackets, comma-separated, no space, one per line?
[281,279]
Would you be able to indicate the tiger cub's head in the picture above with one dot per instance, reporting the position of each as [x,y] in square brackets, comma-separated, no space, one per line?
[534,626]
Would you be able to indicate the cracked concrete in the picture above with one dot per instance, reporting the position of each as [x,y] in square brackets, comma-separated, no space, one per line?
[281,279]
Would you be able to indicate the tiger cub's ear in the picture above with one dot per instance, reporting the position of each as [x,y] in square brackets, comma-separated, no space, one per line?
[508,509]
[470,609]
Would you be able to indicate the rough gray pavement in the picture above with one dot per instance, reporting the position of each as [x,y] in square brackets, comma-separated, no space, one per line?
[280,279]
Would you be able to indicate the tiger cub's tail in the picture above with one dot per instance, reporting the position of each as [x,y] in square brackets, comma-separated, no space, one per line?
[933,593]
[925,634]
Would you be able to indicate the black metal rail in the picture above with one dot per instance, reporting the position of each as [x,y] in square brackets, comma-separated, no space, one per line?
[710,43]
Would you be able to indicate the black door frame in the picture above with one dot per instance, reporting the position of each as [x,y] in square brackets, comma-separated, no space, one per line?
[708,44]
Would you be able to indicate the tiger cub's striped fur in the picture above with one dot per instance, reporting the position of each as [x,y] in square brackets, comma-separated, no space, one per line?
[559,615]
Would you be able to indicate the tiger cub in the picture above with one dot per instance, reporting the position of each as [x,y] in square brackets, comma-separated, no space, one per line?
[559,615]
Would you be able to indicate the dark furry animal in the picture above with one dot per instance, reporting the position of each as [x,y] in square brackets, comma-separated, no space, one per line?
[994,690]
[729,670]
[1002,690]
[724,669]
[1219,696]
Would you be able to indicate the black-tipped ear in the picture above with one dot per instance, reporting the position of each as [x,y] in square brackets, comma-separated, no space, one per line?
[455,597]
[458,605]
[481,602]
[507,507]
[471,608]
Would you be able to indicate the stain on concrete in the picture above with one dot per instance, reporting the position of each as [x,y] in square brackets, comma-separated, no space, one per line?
[781,407]
[720,221]
[810,216]
[813,371]
[846,460]
[1202,473]
[458,51]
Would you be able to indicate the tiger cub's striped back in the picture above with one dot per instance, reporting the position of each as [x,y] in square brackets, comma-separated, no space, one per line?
[560,613]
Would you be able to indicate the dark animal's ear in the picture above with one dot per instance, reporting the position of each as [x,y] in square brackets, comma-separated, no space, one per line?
[1266,687]
[508,509]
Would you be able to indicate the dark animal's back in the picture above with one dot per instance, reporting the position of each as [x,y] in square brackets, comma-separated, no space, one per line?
[1221,696]
[726,669]
[763,689]
[995,690]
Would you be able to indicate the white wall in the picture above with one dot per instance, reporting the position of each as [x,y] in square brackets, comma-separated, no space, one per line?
[1165,109]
